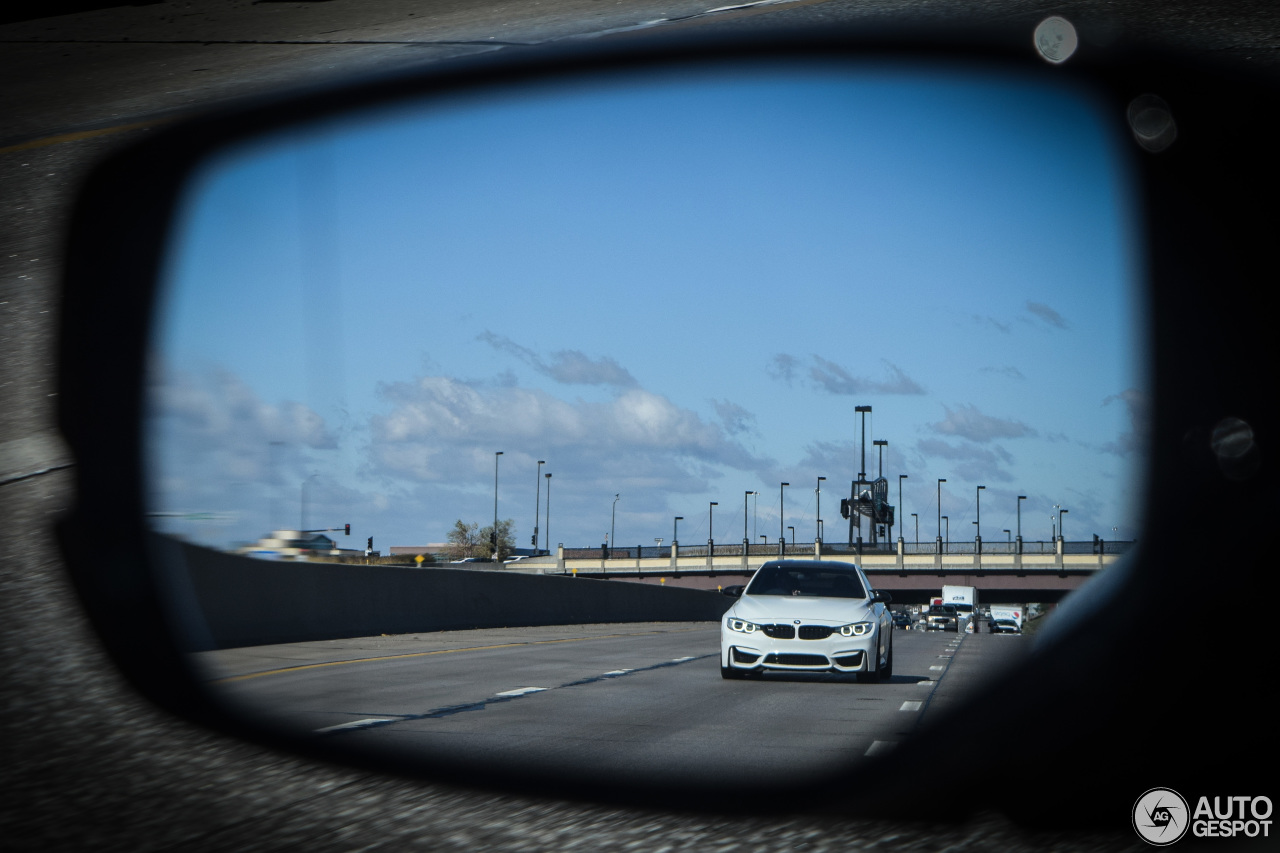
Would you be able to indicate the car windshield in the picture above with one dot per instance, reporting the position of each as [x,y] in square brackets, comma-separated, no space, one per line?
[826,583]
[943,610]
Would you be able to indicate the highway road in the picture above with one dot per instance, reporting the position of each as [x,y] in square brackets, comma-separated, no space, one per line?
[630,700]
[87,764]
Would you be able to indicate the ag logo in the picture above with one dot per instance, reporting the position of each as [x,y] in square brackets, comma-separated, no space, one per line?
[1160,816]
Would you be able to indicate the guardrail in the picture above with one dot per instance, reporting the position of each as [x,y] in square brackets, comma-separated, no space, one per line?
[730,558]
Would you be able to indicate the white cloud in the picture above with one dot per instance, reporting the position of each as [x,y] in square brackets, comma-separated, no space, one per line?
[1047,314]
[967,422]
[1138,405]
[834,378]
[568,367]
[439,427]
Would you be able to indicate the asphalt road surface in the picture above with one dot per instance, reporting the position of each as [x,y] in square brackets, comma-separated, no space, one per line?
[629,701]
[84,763]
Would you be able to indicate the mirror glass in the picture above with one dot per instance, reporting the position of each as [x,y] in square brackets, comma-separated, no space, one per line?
[702,304]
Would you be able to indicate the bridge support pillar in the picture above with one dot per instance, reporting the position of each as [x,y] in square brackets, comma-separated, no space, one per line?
[560,557]
[675,554]
[711,554]
[1058,551]
[1017,553]
[901,550]
[937,554]
[817,549]
[977,552]
[746,548]
[638,560]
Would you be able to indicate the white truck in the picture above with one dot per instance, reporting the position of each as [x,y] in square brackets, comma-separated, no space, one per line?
[965,599]
[1006,619]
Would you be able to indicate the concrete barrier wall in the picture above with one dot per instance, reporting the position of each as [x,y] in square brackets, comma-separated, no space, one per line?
[225,600]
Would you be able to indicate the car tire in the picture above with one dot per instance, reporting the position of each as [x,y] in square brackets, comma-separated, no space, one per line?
[729,672]
[887,672]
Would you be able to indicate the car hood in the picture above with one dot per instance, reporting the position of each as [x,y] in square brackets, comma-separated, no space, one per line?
[775,608]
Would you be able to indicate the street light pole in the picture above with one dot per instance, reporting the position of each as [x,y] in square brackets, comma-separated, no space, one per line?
[1021,498]
[978,537]
[493,537]
[947,543]
[882,444]
[862,471]
[711,530]
[613,518]
[537,503]
[675,536]
[1061,512]
[818,491]
[940,482]
[916,516]
[782,520]
[901,477]
[546,531]
[746,540]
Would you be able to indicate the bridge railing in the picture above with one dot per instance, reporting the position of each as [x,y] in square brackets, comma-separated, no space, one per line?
[843,549]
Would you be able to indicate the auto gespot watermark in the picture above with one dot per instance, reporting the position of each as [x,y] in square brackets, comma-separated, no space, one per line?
[1162,816]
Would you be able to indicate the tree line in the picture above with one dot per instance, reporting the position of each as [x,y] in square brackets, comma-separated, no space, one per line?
[472,540]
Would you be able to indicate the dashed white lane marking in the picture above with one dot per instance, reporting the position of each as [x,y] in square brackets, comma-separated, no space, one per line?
[911,706]
[618,672]
[354,724]
[681,660]
[926,682]
[879,747]
[937,668]
[520,691]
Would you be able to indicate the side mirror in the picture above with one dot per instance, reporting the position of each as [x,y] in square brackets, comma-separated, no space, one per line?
[734,591]
[881,596]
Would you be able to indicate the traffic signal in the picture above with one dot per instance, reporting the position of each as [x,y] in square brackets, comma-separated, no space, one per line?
[348,529]
[533,540]
[844,507]
[370,543]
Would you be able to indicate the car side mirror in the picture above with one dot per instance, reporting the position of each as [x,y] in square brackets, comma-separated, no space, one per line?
[205,386]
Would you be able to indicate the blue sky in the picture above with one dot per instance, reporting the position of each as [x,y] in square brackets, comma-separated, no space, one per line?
[675,289]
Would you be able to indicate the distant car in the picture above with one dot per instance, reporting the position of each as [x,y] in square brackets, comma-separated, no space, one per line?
[943,617]
[516,558]
[808,616]
[901,619]
[473,560]
[1004,626]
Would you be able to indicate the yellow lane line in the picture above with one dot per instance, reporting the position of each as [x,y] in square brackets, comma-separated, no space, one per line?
[58,139]
[439,652]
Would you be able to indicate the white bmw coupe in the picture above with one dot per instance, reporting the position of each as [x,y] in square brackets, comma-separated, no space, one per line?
[808,616]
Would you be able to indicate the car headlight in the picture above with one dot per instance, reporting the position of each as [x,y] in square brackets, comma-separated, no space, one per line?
[742,625]
[857,629]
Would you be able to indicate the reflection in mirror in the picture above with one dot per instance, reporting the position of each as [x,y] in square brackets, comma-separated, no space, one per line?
[717,306]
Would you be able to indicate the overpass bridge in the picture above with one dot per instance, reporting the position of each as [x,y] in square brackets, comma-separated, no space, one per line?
[1041,571]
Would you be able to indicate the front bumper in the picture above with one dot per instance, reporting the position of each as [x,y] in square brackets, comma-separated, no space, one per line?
[758,652]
